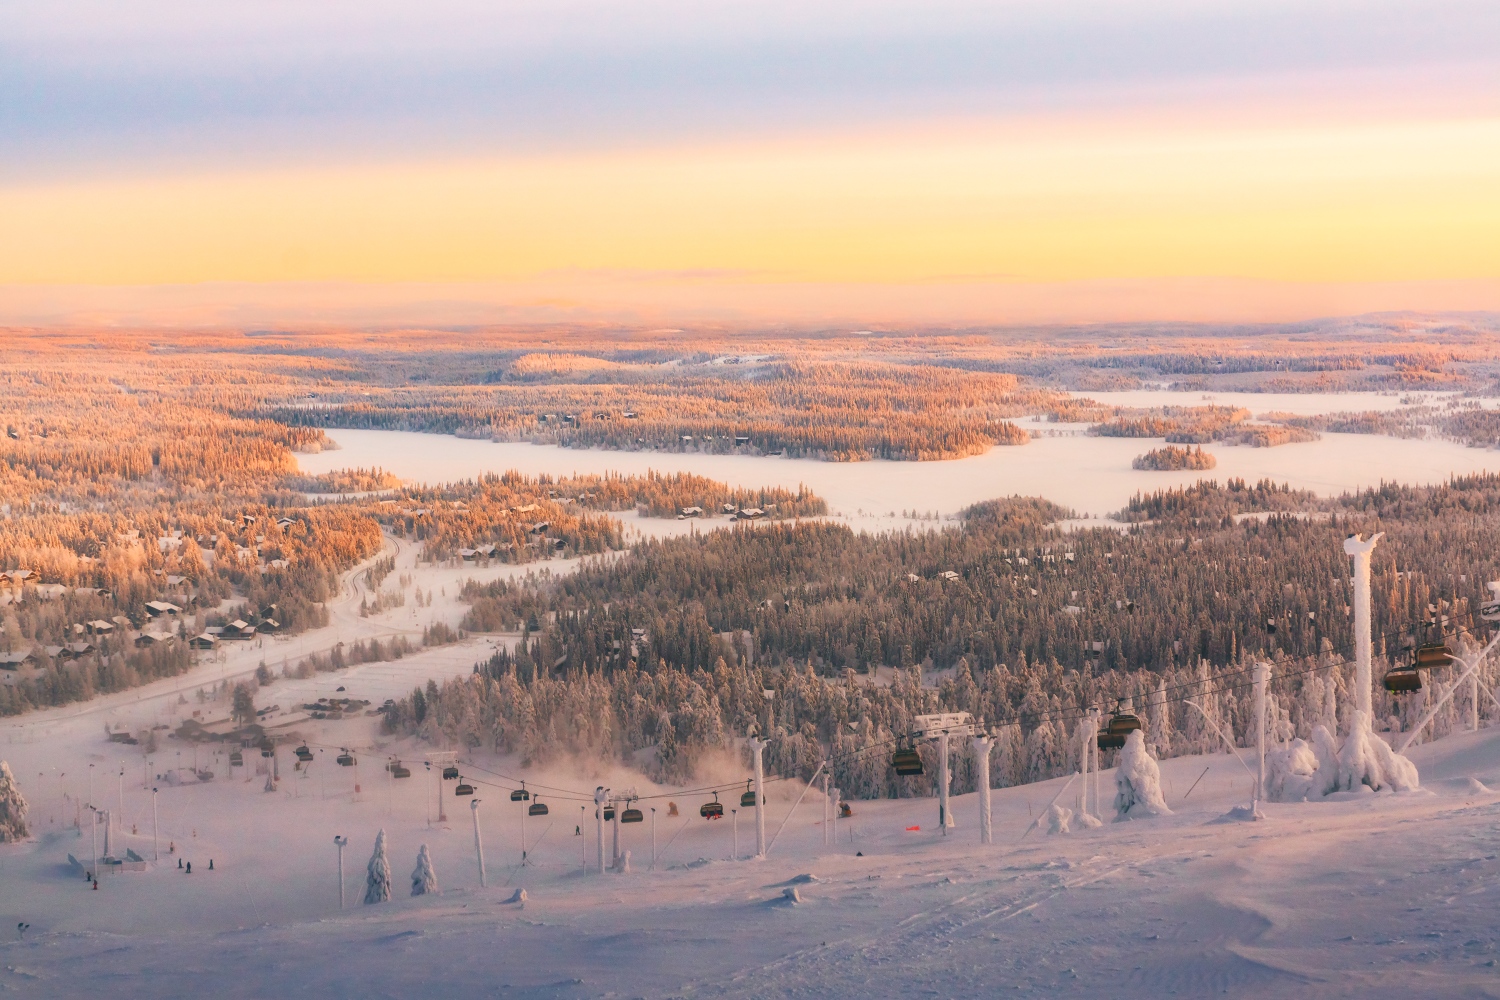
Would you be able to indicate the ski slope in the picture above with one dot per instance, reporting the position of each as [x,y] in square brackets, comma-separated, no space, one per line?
[1367,895]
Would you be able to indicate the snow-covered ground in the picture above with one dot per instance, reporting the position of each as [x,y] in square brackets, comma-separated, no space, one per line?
[1374,895]
[1369,895]
[1092,475]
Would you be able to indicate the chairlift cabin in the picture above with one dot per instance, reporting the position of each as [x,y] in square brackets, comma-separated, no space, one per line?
[304,755]
[907,762]
[609,813]
[399,770]
[1402,680]
[712,810]
[450,773]
[520,795]
[747,800]
[463,788]
[236,759]
[537,809]
[632,815]
[346,759]
[1432,654]
[1119,727]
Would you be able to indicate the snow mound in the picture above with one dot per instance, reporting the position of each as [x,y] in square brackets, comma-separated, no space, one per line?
[1240,814]
[1059,819]
[802,879]
[791,895]
[1366,759]
[519,896]
[1087,821]
[1138,782]
[1478,787]
[1291,772]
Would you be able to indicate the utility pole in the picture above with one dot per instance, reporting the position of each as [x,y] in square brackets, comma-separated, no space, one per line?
[615,850]
[1262,677]
[122,795]
[837,795]
[827,835]
[524,810]
[945,816]
[155,839]
[982,759]
[1360,549]
[94,835]
[478,843]
[600,796]
[340,842]
[758,746]
[653,836]
[734,824]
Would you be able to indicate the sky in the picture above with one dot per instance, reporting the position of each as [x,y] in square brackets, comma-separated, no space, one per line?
[995,162]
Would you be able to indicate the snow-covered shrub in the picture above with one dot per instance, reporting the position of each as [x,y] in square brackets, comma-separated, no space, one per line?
[1138,782]
[423,878]
[378,875]
[12,808]
[1290,772]
[1059,819]
[1366,759]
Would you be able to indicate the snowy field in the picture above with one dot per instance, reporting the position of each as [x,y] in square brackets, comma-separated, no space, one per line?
[1092,475]
[1370,896]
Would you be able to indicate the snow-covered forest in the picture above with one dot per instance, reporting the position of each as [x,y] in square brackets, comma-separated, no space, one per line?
[854,635]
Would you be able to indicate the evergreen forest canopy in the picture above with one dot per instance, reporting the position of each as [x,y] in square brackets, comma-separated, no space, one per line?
[681,637]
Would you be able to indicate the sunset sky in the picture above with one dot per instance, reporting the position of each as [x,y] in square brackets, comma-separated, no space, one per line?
[811,162]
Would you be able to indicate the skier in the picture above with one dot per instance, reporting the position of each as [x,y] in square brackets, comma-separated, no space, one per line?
[210,864]
[190,868]
[179,862]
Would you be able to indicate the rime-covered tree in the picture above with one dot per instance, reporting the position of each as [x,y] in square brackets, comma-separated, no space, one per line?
[423,878]
[12,808]
[378,874]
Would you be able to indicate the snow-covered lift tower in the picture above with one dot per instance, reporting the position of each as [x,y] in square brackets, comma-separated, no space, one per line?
[1359,550]
[982,769]
[601,796]
[758,747]
[939,727]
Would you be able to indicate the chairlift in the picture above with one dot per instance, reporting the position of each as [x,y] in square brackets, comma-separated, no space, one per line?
[266,753]
[1121,724]
[632,815]
[907,762]
[450,773]
[712,810]
[845,811]
[463,788]
[520,794]
[537,809]
[1432,654]
[748,799]
[399,770]
[346,759]
[236,759]
[609,813]
[304,755]
[1402,680]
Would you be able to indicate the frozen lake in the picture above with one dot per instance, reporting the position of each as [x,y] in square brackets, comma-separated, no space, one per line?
[1092,475]
[1304,404]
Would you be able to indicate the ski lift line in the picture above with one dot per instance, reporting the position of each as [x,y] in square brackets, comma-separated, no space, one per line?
[1452,689]
[1227,741]
[560,795]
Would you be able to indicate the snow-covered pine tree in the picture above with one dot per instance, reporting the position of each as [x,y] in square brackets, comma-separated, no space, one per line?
[12,808]
[378,875]
[423,878]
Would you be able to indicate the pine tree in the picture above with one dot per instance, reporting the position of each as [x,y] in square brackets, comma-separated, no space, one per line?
[378,875]
[423,878]
[12,808]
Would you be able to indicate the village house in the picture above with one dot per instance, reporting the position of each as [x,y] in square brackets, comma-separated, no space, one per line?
[156,609]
